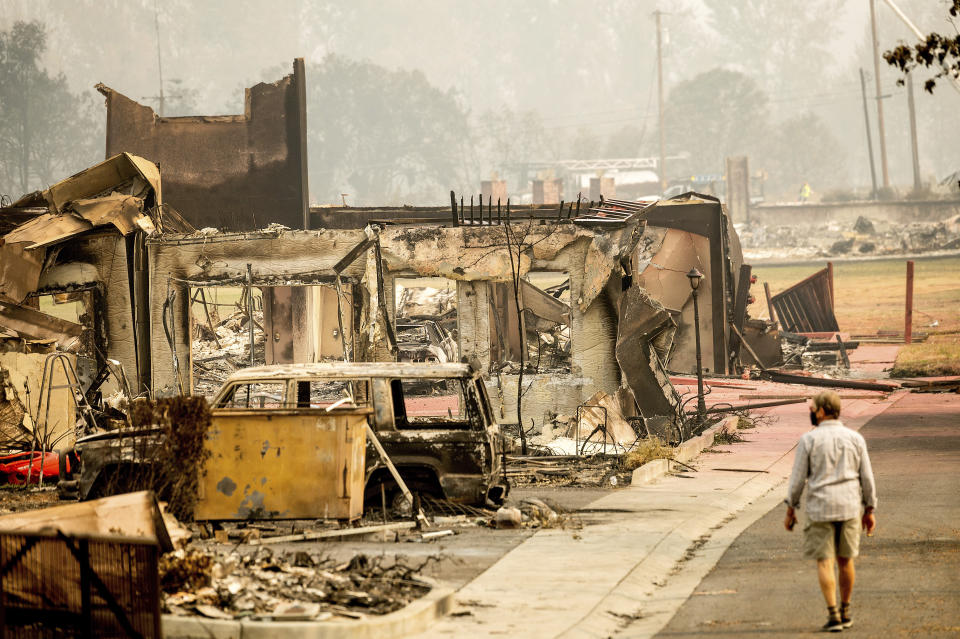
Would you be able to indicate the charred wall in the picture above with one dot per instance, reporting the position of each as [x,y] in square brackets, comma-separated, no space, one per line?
[237,172]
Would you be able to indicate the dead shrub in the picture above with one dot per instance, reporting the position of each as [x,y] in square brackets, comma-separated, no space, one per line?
[725,436]
[647,450]
[167,460]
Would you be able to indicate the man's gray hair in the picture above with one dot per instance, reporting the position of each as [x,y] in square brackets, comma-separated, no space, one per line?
[829,401]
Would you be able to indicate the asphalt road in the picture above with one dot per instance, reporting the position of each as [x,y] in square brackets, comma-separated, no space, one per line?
[908,573]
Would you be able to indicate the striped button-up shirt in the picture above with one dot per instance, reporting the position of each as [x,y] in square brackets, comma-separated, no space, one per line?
[832,461]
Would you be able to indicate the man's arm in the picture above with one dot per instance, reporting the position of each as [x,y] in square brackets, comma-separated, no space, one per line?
[798,477]
[868,488]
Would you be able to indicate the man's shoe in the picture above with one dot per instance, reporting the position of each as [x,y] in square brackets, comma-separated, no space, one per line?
[845,615]
[833,625]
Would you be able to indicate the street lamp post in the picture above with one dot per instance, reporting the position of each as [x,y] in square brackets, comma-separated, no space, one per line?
[695,277]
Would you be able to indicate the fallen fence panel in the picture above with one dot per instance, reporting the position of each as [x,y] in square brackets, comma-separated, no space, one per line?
[57,585]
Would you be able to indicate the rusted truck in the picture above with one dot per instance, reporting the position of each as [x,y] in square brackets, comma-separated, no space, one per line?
[272,426]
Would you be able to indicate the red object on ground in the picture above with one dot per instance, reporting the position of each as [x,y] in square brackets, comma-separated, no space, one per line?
[16,467]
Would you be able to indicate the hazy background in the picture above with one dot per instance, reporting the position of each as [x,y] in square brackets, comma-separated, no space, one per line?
[407,100]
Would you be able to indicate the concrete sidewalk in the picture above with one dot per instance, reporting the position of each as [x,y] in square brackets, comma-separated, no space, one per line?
[629,573]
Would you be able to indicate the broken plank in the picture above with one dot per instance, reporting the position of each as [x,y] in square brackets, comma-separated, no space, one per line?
[333,534]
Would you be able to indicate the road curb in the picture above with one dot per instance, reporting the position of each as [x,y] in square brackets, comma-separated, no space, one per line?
[682,453]
[412,619]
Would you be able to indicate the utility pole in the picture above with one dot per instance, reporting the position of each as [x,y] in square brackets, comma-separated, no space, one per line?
[866,120]
[156,22]
[876,74]
[913,135]
[662,167]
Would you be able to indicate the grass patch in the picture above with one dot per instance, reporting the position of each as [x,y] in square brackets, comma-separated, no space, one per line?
[938,355]
[645,451]
[745,423]
[725,436]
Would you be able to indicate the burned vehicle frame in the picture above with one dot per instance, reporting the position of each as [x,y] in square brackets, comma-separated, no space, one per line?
[455,457]
[423,340]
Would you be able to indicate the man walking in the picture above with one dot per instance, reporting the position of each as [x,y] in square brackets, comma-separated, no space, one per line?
[832,461]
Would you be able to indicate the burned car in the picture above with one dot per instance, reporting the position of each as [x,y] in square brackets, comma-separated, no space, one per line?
[423,340]
[433,420]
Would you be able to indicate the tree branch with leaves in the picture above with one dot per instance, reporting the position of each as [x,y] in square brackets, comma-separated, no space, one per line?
[935,51]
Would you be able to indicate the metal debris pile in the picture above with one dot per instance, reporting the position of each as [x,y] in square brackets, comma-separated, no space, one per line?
[224,584]
[567,470]
[823,356]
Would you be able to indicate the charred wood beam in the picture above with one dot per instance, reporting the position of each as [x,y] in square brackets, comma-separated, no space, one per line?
[354,253]
[788,378]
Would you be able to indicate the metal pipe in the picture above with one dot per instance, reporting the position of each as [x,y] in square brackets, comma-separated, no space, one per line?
[250,307]
[453,209]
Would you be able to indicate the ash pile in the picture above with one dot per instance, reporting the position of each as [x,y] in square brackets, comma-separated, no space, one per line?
[864,237]
[223,584]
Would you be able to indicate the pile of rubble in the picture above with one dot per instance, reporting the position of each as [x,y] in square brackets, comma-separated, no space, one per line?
[833,239]
[534,513]
[218,582]
[221,347]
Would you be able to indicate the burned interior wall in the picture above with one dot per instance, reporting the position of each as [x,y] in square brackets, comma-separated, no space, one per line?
[662,259]
[21,376]
[101,260]
[239,172]
[704,216]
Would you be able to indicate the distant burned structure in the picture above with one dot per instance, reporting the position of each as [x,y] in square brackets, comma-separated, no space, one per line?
[236,172]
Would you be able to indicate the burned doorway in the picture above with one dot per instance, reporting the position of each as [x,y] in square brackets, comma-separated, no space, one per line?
[222,335]
[542,330]
[305,324]
[426,323]
[291,324]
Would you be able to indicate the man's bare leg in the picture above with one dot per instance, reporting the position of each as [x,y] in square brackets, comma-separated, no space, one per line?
[828,582]
[847,576]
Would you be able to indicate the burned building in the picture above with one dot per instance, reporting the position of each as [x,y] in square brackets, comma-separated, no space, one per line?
[600,301]
[551,304]
[226,171]
[72,280]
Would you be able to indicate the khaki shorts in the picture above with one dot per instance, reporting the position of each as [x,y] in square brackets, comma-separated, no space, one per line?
[829,539]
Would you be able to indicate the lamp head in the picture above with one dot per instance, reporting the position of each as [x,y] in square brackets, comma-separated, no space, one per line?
[695,276]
